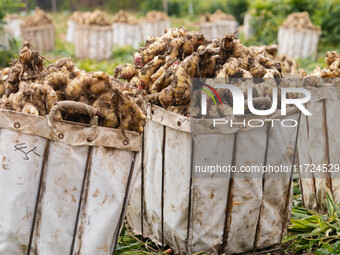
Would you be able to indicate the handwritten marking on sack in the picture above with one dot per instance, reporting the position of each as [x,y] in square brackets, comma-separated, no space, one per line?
[21,147]
[5,162]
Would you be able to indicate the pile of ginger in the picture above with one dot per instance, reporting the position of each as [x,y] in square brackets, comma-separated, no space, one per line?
[97,17]
[217,16]
[301,21]
[28,86]
[39,18]
[165,65]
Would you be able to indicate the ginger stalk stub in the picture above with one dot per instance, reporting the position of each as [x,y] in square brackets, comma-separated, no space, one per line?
[27,68]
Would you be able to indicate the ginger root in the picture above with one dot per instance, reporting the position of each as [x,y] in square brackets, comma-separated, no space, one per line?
[288,65]
[125,72]
[178,92]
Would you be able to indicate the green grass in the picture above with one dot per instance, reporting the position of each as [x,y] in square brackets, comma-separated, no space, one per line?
[119,56]
[129,243]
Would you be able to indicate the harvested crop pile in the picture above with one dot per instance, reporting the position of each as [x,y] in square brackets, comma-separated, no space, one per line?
[288,64]
[124,17]
[39,18]
[153,16]
[320,77]
[77,17]
[165,65]
[12,16]
[300,20]
[30,87]
[96,17]
[218,15]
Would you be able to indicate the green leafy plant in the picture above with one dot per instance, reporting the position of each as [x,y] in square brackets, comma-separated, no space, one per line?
[116,5]
[237,8]
[268,15]
[129,243]
[330,21]
[327,249]
[313,231]
[152,5]
[8,52]
[8,6]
